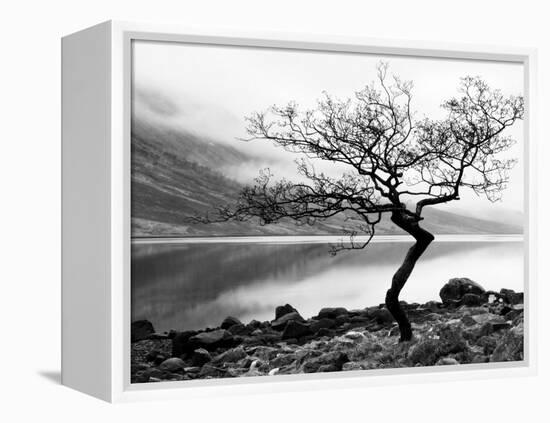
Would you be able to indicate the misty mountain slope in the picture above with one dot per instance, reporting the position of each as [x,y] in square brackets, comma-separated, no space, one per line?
[176,174]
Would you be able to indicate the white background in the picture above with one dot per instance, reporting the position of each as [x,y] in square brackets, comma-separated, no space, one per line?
[30,207]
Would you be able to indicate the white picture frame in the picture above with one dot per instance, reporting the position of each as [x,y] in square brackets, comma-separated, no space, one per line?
[96,211]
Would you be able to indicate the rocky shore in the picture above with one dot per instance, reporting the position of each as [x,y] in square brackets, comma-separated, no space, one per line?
[468,325]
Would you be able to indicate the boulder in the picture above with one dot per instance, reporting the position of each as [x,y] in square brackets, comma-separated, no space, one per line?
[492,326]
[325,323]
[488,343]
[331,361]
[254,324]
[454,290]
[264,353]
[294,329]
[231,356]
[239,329]
[331,312]
[212,340]
[433,306]
[427,351]
[209,371]
[382,316]
[230,321]
[173,364]
[140,330]
[200,357]
[180,343]
[341,320]
[471,300]
[512,297]
[280,311]
[281,322]
[424,352]
[509,347]
[282,360]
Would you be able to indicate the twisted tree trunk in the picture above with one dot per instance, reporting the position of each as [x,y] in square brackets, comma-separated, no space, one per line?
[423,240]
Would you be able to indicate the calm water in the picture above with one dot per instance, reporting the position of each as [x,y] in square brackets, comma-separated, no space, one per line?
[195,284]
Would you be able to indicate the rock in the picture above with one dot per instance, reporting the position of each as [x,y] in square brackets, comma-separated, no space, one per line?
[468,321]
[254,324]
[326,332]
[264,353]
[141,330]
[427,351]
[230,321]
[257,332]
[152,355]
[456,288]
[491,327]
[239,329]
[471,300]
[325,368]
[200,357]
[212,340]
[446,361]
[326,323]
[334,358]
[433,306]
[355,336]
[180,343]
[488,343]
[341,320]
[424,353]
[382,316]
[280,311]
[350,366]
[156,373]
[210,371]
[489,317]
[294,329]
[140,377]
[515,311]
[331,312]
[282,360]
[173,364]
[512,297]
[281,322]
[518,320]
[480,359]
[509,347]
[273,372]
[231,356]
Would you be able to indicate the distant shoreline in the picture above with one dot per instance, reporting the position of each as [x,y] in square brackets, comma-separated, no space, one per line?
[321,239]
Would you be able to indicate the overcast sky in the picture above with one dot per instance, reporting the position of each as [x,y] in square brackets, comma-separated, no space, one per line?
[210,89]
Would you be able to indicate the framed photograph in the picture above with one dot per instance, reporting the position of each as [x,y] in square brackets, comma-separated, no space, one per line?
[249,212]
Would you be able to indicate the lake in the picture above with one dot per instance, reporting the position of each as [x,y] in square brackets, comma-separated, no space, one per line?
[195,283]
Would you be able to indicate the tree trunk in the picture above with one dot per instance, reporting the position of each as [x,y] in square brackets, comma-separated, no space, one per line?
[423,239]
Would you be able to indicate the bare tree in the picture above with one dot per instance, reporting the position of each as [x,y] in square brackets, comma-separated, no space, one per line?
[397,164]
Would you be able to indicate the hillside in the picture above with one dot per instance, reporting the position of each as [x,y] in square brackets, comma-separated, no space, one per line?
[176,174]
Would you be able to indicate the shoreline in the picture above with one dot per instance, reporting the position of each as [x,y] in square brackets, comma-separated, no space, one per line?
[469,325]
[322,239]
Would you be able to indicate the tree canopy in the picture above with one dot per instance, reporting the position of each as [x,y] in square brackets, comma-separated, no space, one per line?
[395,162]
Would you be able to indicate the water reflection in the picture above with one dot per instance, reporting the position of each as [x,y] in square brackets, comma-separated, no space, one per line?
[190,286]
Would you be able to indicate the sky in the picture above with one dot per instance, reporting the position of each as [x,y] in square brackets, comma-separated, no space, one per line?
[210,89]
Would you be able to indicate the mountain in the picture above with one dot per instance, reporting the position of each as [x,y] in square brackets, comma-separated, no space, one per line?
[177,174]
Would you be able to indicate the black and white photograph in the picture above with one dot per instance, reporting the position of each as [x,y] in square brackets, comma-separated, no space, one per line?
[297,211]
